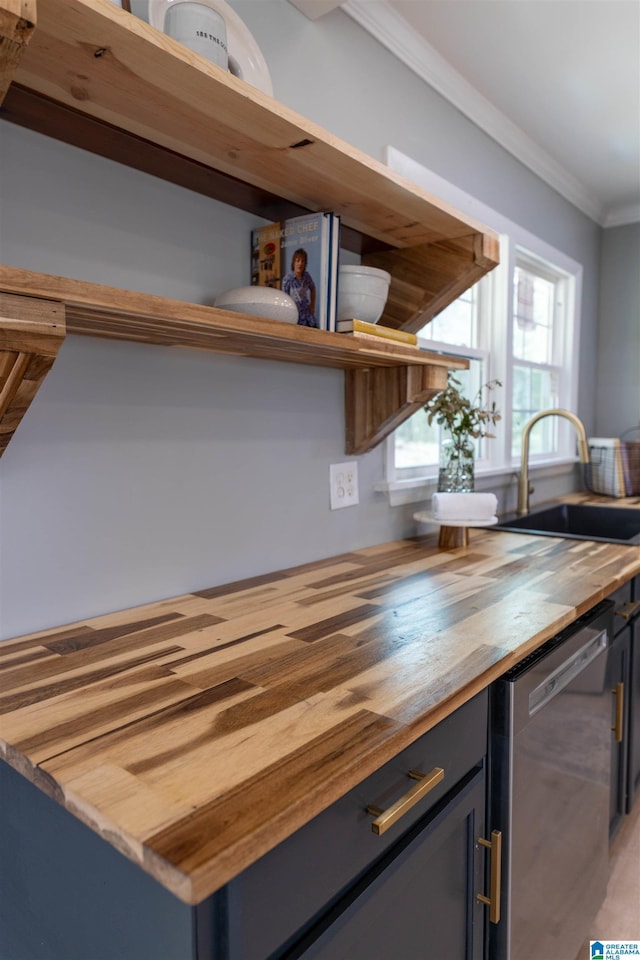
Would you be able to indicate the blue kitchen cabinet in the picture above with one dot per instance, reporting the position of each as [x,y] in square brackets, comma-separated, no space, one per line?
[629,615]
[421,894]
[624,679]
[633,753]
[66,894]
[336,889]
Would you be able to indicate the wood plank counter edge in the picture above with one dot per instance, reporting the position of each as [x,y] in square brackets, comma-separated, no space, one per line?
[195,734]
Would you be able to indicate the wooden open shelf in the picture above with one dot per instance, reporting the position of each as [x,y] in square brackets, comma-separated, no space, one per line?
[384,384]
[91,74]
[94,75]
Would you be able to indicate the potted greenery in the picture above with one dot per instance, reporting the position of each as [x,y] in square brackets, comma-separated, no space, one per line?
[464,420]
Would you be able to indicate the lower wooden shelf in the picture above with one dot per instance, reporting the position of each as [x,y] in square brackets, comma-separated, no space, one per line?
[384,383]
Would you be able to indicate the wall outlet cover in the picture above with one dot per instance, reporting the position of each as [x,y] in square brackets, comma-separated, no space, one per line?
[343,484]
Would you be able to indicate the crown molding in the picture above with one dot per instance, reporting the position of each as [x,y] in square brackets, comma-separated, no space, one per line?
[314,9]
[621,216]
[390,29]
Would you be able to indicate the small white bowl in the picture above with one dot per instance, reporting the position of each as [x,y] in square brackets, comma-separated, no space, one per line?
[362,293]
[259,302]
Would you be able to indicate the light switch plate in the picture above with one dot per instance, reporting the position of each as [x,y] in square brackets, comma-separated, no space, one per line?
[343,484]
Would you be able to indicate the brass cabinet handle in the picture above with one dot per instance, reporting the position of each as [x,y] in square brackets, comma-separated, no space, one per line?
[618,693]
[386,818]
[493,901]
[627,610]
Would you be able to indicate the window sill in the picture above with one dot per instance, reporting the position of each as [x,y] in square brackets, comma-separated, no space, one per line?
[490,479]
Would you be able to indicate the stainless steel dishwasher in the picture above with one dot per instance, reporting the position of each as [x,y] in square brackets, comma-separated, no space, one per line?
[550,760]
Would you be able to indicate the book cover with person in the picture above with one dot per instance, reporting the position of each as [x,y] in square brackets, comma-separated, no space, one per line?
[294,256]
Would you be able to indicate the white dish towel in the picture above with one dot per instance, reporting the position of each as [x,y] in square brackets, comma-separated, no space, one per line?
[464,506]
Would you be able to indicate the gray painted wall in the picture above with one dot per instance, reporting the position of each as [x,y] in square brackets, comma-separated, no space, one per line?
[619,335]
[143,472]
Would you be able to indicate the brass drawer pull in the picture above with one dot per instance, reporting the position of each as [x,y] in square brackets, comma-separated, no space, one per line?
[386,818]
[493,901]
[618,728]
[627,610]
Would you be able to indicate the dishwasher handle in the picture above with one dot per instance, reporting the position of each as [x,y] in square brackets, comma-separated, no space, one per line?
[556,681]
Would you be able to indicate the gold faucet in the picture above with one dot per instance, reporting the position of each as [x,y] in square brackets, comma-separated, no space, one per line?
[583,451]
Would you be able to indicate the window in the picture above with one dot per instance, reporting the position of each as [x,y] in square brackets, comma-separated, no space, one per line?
[519,325]
[457,330]
[539,316]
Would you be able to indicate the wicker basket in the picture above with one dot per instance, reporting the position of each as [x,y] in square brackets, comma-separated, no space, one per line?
[614,468]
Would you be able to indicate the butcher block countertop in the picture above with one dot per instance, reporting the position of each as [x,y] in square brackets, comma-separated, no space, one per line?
[195,734]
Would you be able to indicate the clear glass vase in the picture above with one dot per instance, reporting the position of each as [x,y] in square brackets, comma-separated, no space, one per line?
[456,472]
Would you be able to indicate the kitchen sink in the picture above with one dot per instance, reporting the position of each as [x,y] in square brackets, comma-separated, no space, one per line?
[579,522]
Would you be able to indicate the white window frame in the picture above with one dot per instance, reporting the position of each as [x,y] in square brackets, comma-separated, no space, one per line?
[414,485]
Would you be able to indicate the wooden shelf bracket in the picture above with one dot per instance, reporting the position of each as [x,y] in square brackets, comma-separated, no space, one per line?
[31,333]
[379,399]
[427,278]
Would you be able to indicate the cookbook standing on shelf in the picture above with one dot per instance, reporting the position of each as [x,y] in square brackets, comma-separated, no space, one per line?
[300,257]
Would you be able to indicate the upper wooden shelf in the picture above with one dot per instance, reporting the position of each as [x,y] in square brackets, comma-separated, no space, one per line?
[91,74]
[94,75]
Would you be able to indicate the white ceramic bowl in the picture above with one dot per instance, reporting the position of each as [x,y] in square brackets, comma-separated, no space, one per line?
[362,293]
[259,302]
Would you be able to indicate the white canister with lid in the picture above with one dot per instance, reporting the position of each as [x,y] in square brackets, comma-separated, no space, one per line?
[195,23]
[245,57]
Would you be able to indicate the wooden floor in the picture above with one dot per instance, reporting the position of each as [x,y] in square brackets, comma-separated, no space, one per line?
[619,916]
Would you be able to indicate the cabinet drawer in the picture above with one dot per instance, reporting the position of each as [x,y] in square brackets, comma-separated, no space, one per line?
[276,897]
[424,893]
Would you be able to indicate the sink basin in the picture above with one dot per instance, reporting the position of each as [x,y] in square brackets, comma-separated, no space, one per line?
[580,522]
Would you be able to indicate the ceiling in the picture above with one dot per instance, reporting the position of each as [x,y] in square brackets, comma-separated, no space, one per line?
[556,82]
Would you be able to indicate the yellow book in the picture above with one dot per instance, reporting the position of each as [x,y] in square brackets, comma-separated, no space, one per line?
[382,343]
[376,330]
